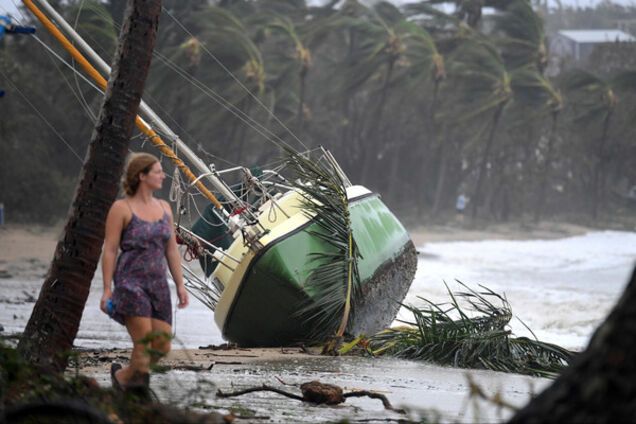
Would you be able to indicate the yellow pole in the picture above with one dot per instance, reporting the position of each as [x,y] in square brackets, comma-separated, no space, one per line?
[101,81]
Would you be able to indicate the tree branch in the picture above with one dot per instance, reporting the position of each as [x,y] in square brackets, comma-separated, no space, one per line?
[263,388]
[373,395]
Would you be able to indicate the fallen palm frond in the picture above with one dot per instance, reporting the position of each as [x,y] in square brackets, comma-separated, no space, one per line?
[446,335]
[334,281]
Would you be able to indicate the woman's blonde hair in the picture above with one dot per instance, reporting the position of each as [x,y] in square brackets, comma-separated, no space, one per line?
[137,163]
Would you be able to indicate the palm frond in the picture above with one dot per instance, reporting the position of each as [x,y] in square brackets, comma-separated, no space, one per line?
[445,334]
[334,282]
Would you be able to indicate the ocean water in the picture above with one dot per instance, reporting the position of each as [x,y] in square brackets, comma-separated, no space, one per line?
[562,289]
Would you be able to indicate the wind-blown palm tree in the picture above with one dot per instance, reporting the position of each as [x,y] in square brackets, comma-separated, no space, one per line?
[381,44]
[293,65]
[217,58]
[520,34]
[427,66]
[371,43]
[55,319]
[538,97]
[484,90]
[524,42]
[596,100]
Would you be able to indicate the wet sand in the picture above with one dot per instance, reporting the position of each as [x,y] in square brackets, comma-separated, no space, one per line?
[422,389]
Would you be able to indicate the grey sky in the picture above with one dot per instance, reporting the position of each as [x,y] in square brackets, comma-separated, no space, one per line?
[9,6]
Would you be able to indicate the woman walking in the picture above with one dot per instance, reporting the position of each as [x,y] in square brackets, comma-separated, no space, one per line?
[142,227]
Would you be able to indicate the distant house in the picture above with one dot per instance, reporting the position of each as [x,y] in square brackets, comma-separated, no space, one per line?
[578,44]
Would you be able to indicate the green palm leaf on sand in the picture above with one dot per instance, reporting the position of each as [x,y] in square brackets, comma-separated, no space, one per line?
[447,335]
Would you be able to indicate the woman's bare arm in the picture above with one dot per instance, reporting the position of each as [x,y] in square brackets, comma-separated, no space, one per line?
[114,226]
[174,261]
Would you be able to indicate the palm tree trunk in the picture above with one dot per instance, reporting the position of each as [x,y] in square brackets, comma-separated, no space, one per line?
[548,163]
[371,154]
[482,168]
[438,136]
[55,319]
[300,115]
[598,192]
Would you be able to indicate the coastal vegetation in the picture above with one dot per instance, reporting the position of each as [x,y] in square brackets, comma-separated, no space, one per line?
[416,103]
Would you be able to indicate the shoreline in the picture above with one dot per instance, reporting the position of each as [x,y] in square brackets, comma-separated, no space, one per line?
[457,231]
[37,243]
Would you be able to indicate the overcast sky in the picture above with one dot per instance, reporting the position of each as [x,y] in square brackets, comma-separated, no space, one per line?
[9,6]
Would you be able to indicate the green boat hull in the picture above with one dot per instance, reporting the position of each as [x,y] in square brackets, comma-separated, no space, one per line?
[264,311]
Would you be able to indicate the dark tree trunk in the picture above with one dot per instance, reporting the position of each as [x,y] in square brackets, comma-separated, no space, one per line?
[598,189]
[438,137]
[476,199]
[600,384]
[440,183]
[300,114]
[544,177]
[55,319]
[371,136]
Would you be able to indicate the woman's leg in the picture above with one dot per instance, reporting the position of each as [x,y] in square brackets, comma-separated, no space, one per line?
[161,342]
[138,328]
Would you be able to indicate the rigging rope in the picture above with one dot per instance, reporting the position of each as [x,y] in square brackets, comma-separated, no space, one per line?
[224,103]
[37,111]
[83,100]
[219,99]
[236,79]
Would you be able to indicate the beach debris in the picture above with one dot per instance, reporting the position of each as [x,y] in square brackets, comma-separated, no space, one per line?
[317,393]
[222,346]
[28,297]
[475,337]
[5,274]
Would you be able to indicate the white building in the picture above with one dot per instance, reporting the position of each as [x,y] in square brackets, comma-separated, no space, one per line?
[576,45]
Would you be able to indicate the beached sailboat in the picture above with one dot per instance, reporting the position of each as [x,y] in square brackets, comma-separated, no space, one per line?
[290,254]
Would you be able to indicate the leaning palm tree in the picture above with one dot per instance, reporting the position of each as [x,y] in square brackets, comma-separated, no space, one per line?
[537,97]
[520,33]
[483,90]
[596,100]
[383,35]
[220,64]
[427,66]
[374,43]
[56,316]
[293,63]
[93,21]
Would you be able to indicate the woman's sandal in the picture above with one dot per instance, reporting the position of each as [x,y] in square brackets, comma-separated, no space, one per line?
[114,367]
[139,386]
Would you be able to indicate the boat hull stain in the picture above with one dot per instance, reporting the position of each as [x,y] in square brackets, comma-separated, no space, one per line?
[383,294]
